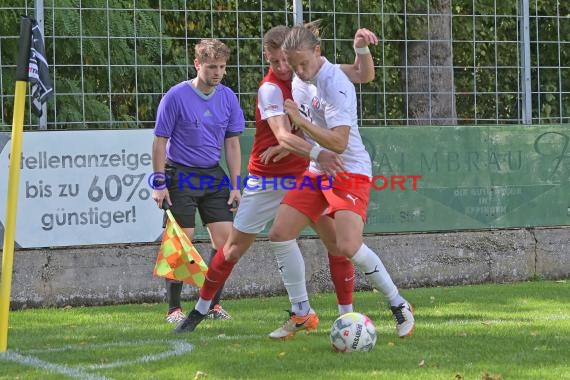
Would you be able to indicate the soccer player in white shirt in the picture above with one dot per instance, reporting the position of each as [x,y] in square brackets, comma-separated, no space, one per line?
[270,159]
[324,107]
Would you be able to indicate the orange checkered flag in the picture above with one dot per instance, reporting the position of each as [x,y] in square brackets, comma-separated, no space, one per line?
[177,258]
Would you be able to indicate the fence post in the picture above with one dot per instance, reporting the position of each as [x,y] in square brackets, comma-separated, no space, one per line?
[297,12]
[525,62]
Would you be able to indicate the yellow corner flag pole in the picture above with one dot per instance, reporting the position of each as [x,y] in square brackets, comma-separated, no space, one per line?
[14,176]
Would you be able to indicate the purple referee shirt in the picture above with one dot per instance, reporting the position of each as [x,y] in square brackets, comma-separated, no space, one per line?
[197,124]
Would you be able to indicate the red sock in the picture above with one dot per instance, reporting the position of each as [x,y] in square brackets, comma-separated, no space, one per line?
[342,275]
[218,271]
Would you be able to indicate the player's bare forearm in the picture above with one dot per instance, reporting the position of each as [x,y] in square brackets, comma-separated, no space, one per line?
[159,154]
[295,144]
[362,70]
[160,194]
[233,158]
[281,127]
[335,139]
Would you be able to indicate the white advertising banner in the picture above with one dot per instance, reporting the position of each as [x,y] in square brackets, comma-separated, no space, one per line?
[82,188]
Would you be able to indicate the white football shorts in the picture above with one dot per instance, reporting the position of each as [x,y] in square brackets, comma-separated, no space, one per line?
[259,203]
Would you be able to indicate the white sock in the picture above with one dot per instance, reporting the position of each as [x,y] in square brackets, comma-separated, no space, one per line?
[343,309]
[203,306]
[292,269]
[370,264]
[301,308]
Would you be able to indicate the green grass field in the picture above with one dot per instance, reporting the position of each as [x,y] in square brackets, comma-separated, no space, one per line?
[494,331]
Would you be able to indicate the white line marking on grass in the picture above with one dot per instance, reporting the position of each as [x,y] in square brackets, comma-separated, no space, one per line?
[88,346]
[179,347]
[49,367]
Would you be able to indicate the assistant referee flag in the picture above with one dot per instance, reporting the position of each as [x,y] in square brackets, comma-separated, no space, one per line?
[177,258]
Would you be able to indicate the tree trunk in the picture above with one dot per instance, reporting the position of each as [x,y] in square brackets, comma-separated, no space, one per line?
[428,60]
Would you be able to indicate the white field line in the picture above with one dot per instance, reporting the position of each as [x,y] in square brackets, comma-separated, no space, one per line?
[179,347]
[87,346]
[32,361]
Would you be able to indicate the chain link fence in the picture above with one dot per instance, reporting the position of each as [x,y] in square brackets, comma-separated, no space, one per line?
[439,62]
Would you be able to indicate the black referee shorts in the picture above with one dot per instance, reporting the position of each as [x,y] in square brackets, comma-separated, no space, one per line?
[205,189]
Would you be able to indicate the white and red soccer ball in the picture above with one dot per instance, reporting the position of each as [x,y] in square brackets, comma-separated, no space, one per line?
[353,332]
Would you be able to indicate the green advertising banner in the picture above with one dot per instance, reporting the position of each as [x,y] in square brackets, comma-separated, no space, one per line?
[458,178]
[471,177]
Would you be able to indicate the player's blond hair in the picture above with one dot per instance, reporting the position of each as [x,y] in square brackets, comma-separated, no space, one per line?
[302,37]
[211,48]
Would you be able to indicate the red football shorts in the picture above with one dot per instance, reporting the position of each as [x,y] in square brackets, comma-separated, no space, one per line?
[313,194]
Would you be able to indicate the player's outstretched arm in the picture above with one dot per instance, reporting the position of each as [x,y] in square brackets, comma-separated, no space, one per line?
[362,70]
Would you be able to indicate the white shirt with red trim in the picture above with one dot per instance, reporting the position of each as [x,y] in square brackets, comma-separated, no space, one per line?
[329,101]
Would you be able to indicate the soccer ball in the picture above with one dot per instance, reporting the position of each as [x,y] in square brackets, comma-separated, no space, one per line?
[353,332]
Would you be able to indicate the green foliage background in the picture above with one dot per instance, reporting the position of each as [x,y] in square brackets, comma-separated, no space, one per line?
[122,77]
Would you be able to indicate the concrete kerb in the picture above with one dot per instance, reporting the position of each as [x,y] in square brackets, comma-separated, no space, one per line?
[102,275]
